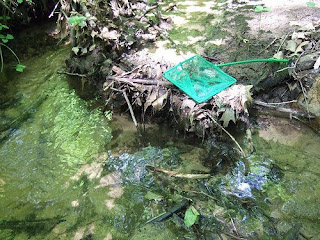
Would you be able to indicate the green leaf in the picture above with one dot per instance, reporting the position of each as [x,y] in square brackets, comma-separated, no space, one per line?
[9,36]
[82,24]
[20,67]
[77,20]
[75,50]
[258,8]
[2,36]
[153,196]
[20,1]
[5,40]
[3,26]
[311,4]
[191,216]
[266,10]
[228,116]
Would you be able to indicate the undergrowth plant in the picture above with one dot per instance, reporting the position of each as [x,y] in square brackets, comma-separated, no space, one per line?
[5,38]
[260,9]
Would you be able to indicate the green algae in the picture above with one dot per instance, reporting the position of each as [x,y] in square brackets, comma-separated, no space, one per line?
[50,131]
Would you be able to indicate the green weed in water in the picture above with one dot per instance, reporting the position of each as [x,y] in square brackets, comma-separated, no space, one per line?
[75,130]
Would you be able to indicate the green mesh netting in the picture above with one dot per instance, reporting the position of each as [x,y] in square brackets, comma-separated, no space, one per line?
[199,78]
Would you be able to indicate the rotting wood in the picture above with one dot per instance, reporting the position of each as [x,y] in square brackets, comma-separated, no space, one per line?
[178,175]
[285,110]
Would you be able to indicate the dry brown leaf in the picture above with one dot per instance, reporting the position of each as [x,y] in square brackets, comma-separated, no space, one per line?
[188,103]
[159,103]
[117,70]
[106,34]
[150,99]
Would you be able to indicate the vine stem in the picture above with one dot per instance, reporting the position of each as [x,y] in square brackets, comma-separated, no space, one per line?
[1,58]
[1,44]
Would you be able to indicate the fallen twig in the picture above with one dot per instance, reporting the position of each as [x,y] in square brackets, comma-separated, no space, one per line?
[178,175]
[130,109]
[285,110]
[232,236]
[139,81]
[72,74]
[268,46]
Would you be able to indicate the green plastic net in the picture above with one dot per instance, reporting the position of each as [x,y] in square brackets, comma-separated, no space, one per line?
[199,78]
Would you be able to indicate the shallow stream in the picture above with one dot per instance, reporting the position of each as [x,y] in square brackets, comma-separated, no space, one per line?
[69,172]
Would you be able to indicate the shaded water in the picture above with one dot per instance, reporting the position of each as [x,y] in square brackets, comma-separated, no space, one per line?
[63,175]
[68,173]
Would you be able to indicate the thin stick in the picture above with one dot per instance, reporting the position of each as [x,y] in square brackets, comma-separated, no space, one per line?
[268,45]
[245,160]
[285,110]
[283,42]
[232,236]
[1,44]
[179,175]
[209,196]
[232,138]
[1,58]
[130,109]
[139,81]
[72,74]
[305,97]
[279,103]
[55,7]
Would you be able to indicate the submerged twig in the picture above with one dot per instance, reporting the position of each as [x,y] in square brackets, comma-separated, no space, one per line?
[130,109]
[232,236]
[72,74]
[178,175]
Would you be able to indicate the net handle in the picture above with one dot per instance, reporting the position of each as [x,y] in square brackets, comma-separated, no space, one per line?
[253,60]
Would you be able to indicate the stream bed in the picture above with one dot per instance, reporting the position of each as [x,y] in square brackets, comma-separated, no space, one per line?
[67,172]
[70,171]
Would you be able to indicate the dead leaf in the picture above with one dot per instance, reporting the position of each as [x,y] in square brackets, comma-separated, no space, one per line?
[160,102]
[106,34]
[150,99]
[300,49]
[228,116]
[117,70]
[291,46]
[115,8]
[298,35]
[188,103]
[317,63]
[278,55]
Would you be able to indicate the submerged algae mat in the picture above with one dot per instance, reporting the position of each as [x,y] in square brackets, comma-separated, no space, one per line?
[46,133]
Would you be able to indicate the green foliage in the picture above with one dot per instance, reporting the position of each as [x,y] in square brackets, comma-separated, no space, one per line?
[21,1]
[20,67]
[5,39]
[311,4]
[77,21]
[191,216]
[261,9]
